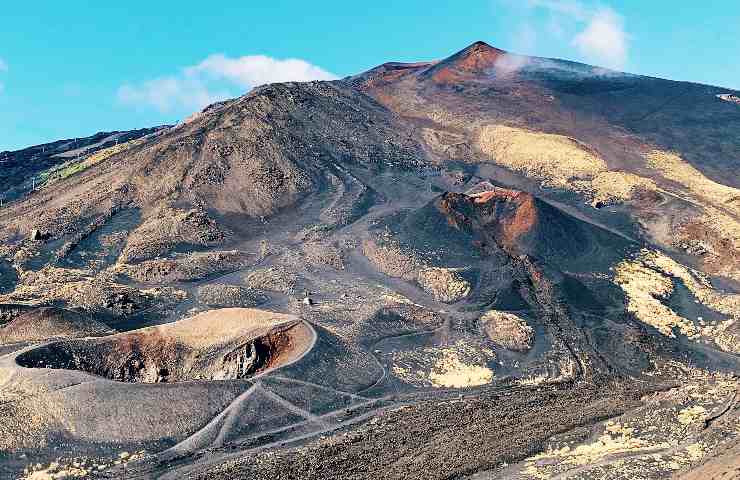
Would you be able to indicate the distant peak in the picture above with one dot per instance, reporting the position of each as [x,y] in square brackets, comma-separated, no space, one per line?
[477,55]
[480,49]
[480,45]
[479,58]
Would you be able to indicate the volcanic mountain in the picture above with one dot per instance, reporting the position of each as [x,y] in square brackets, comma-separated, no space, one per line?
[521,224]
[463,268]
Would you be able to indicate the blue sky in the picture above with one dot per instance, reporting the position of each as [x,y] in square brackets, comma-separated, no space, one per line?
[73,68]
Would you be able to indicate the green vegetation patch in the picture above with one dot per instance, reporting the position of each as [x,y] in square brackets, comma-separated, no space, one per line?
[77,165]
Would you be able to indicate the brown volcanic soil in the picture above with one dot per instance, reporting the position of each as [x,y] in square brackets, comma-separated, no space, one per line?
[247,158]
[523,224]
[429,440]
[230,343]
[725,466]
[474,61]
[34,324]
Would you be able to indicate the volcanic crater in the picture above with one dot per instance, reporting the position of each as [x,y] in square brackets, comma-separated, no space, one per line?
[223,344]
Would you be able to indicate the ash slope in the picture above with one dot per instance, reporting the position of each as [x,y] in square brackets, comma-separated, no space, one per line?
[664,153]
[484,241]
[23,168]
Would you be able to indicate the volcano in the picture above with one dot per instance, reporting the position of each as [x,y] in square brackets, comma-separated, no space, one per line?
[485,266]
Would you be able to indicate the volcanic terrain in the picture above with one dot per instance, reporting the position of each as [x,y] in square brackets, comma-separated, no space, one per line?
[486,266]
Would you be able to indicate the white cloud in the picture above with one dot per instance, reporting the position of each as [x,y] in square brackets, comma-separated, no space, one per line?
[597,33]
[604,39]
[524,41]
[253,70]
[169,94]
[216,78]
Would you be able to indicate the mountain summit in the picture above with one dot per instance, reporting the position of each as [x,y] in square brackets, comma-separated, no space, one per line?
[477,59]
